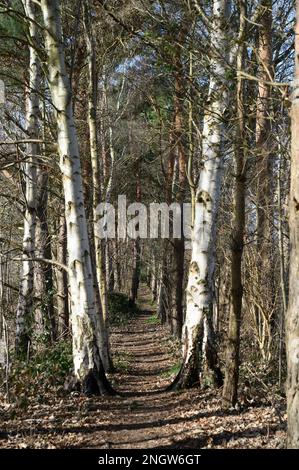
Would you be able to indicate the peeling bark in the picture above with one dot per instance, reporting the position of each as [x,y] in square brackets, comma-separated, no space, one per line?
[88,367]
[199,292]
[292,316]
[96,187]
[24,315]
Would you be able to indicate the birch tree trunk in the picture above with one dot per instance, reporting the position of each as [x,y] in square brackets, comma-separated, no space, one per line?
[88,366]
[25,302]
[96,185]
[292,317]
[62,298]
[230,389]
[199,293]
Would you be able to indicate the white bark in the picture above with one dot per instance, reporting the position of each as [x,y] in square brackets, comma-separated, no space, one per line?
[96,180]
[200,280]
[292,314]
[25,302]
[85,328]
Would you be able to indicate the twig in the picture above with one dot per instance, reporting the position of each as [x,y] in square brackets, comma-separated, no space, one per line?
[43,260]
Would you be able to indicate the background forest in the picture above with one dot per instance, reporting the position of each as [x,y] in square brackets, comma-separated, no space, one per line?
[181,101]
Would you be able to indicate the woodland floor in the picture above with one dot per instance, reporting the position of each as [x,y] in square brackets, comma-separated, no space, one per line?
[144,416]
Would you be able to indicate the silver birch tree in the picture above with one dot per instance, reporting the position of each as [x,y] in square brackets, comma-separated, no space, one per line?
[199,293]
[25,302]
[96,183]
[88,366]
[292,317]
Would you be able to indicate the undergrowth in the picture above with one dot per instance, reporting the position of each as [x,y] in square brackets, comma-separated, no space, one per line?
[153,320]
[46,368]
[121,361]
[121,308]
[174,370]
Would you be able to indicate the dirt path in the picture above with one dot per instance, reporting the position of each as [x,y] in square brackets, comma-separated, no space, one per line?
[144,416]
[149,351]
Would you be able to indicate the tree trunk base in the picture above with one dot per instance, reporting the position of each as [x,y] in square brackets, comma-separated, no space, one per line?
[187,378]
[96,383]
[211,374]
[212,378]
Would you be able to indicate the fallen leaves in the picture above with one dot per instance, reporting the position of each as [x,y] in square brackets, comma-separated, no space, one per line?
[141,418]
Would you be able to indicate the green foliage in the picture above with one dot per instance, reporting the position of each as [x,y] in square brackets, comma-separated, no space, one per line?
[12,27]
[46,368]
[230,74]
[163,104]
[153,320]
[54,363]
[121,308]
[174,370]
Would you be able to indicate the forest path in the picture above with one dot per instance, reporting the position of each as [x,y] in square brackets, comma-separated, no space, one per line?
[146,357]
[147,349]
[146,416]
[143,415]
